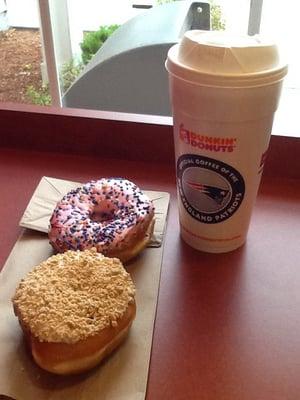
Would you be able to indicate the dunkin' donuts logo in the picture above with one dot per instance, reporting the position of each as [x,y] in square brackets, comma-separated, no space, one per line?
[210,190]
[204,142]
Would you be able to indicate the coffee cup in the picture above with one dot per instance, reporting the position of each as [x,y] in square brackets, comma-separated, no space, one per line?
[224,91]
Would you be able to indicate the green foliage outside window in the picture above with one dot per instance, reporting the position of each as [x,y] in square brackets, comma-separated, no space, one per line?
[68,73]
[216,19]
[40,96]
[94,40]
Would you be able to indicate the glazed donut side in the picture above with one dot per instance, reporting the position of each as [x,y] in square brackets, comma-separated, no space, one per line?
[113,215]
[75,358]
[75,308]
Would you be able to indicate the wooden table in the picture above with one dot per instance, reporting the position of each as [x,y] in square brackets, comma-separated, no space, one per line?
[228,325]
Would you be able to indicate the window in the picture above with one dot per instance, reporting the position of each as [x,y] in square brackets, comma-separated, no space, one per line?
[281,22]
[66,23]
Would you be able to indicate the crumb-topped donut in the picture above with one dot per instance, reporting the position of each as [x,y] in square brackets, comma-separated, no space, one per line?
[113,215]
[75,308]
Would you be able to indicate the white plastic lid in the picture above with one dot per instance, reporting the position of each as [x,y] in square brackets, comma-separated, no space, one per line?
[216,58]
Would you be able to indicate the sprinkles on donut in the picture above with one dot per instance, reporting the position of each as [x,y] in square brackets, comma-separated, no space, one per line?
[111,214]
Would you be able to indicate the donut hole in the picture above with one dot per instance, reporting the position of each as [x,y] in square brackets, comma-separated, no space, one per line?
[101,216]
[100,213]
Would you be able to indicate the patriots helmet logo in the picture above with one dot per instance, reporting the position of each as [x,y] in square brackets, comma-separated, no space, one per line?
[215,193]
[210,191]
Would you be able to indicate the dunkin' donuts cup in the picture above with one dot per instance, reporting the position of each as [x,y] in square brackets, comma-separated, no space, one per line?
[224,92]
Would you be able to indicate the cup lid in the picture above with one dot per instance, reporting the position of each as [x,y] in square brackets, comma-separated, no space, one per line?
[217,58]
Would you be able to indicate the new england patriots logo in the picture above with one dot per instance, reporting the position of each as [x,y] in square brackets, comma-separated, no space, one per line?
[215,193]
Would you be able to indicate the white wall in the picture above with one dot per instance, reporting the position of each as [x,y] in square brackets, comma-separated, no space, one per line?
[61,32]
[84,15]
[88,15]
[2,6]
[23,13]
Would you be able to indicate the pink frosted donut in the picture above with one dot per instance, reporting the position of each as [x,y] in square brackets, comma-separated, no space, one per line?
[113,215]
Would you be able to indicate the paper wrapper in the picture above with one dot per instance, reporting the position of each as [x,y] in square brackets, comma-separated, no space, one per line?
[123,376]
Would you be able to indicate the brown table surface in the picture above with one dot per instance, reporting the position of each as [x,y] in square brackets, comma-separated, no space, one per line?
[227,326]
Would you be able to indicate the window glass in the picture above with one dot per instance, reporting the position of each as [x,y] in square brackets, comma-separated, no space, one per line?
[21,61]
[96,20]
[126,73]
[235,14]
[89,26]
[280,21]
[76,28]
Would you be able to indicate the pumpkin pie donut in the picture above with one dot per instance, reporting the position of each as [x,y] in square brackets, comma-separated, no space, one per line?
[75,308]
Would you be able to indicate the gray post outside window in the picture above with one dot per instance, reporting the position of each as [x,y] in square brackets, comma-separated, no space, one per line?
[255,17]
[48,41]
